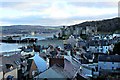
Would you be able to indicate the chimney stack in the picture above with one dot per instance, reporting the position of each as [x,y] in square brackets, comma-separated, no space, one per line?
[59,61]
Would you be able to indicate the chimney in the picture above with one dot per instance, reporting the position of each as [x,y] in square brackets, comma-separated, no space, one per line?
[59,61]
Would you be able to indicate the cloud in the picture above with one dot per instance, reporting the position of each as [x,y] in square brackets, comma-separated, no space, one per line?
[59,0]
[96,4]
[56,12]
[35,20]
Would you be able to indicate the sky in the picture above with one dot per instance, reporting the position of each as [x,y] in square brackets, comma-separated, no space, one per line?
[55,12]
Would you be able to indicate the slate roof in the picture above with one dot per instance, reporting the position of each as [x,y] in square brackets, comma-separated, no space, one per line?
[13,60]
[68,46]
[109,58]
[10,60]
[56,71]
[40,63]
[88,55]
[81,43]
[51,73]
[97,43]
[70,68]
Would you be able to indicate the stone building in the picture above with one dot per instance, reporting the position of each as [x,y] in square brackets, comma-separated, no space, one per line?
[77,30]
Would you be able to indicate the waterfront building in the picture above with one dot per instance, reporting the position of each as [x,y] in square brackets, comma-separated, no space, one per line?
[109,64]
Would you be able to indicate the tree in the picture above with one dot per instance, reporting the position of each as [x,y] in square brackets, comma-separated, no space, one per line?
[116,49]
[10,38]
[59,35]
[54,36]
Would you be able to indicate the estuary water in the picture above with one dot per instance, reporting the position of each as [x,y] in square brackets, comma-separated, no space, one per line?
[42,40]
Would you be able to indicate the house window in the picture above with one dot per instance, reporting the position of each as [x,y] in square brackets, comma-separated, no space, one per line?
[112,68]
[33,73]
[112,62]
[98,50]
[106,47]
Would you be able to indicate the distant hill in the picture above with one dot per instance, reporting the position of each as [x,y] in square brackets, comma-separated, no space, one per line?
[108,25]
[27,29]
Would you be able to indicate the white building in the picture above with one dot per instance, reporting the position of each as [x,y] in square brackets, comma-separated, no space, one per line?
[100,46]
[99,49]
[25,53]
[86,71]
[108,62]
[116,35]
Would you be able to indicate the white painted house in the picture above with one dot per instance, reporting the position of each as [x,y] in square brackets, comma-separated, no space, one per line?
[100,46]
[86,71]
[108,62]
[116,35]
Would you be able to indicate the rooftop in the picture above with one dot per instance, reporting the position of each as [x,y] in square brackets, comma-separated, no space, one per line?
[14,61]
[40,62]
[109,58]
[57,71]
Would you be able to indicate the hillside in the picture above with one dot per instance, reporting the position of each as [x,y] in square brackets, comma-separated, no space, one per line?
[26,29]
[108,25]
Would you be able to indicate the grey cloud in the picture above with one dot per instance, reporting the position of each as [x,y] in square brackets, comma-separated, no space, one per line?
[95,4]
[51,22]
[10,4]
